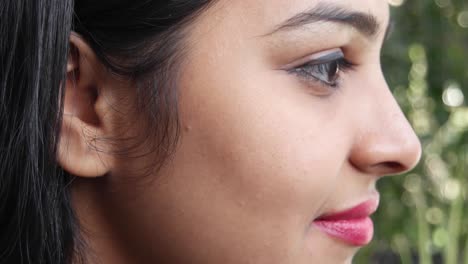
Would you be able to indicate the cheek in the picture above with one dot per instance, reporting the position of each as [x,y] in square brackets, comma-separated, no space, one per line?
[275,148]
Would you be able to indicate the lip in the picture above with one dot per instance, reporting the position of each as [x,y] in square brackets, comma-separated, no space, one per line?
[352,226]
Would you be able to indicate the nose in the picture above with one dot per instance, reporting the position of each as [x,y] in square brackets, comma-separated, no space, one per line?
[386,143]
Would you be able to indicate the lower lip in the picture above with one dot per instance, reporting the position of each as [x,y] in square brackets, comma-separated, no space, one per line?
[356,232]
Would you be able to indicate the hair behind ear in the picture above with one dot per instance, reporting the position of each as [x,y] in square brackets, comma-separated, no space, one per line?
[36,220]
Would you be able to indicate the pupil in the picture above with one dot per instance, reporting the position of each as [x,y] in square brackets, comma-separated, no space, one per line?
[333,73]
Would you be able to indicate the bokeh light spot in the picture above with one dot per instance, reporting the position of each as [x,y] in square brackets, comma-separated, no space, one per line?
[417,52]
[440,237]
[434,215]
[451,189]
[413,183]
[463,19]
[453,96]
[459,118]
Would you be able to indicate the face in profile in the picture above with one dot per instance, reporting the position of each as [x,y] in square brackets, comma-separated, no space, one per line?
[287,125]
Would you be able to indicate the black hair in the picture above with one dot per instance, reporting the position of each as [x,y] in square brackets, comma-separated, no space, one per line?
[142,40]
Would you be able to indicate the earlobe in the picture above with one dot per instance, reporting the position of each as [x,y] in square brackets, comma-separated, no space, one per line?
[80,152]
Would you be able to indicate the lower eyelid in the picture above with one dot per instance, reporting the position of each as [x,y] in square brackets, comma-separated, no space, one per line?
[314,82]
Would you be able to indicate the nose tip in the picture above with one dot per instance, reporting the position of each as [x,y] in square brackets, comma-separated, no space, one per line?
[391,149]
[385,144]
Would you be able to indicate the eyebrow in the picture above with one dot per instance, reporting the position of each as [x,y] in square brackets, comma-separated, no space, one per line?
[365,23]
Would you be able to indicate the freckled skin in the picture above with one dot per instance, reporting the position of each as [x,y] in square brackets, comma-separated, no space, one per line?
[260,155]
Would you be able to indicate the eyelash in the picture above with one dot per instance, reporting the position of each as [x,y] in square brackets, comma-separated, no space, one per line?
[328,66]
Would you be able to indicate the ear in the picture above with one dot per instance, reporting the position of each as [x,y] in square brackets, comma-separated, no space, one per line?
[81,152]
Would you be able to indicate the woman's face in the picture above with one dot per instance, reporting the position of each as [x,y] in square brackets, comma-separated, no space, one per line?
[286,119]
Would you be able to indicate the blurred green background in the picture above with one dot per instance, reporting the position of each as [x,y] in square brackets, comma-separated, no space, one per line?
[423,216]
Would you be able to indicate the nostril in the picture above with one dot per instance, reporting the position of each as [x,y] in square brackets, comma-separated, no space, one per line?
[390,167]
[394,165]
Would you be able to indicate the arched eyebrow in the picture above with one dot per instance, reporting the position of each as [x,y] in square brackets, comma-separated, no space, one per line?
[364,23]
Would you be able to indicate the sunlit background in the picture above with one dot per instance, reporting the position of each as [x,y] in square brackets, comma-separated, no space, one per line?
[424,215]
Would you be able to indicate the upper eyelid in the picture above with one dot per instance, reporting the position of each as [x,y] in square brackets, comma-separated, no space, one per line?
[326,59]
[319,58]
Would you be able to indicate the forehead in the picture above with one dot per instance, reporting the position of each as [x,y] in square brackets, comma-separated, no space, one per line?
[265,14]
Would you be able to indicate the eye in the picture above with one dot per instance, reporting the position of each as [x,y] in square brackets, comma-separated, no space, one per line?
[325,69]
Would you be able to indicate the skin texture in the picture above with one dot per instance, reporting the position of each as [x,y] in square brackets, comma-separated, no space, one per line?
[262,152]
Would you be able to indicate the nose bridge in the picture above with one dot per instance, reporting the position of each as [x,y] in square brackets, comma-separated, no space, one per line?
[385,142]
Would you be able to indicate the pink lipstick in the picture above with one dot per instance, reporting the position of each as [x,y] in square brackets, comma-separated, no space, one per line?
[352,226]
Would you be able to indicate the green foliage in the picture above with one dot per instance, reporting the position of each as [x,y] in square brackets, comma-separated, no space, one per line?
[425,213]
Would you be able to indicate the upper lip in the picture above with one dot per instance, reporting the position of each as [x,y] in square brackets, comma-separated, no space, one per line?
[362,210]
